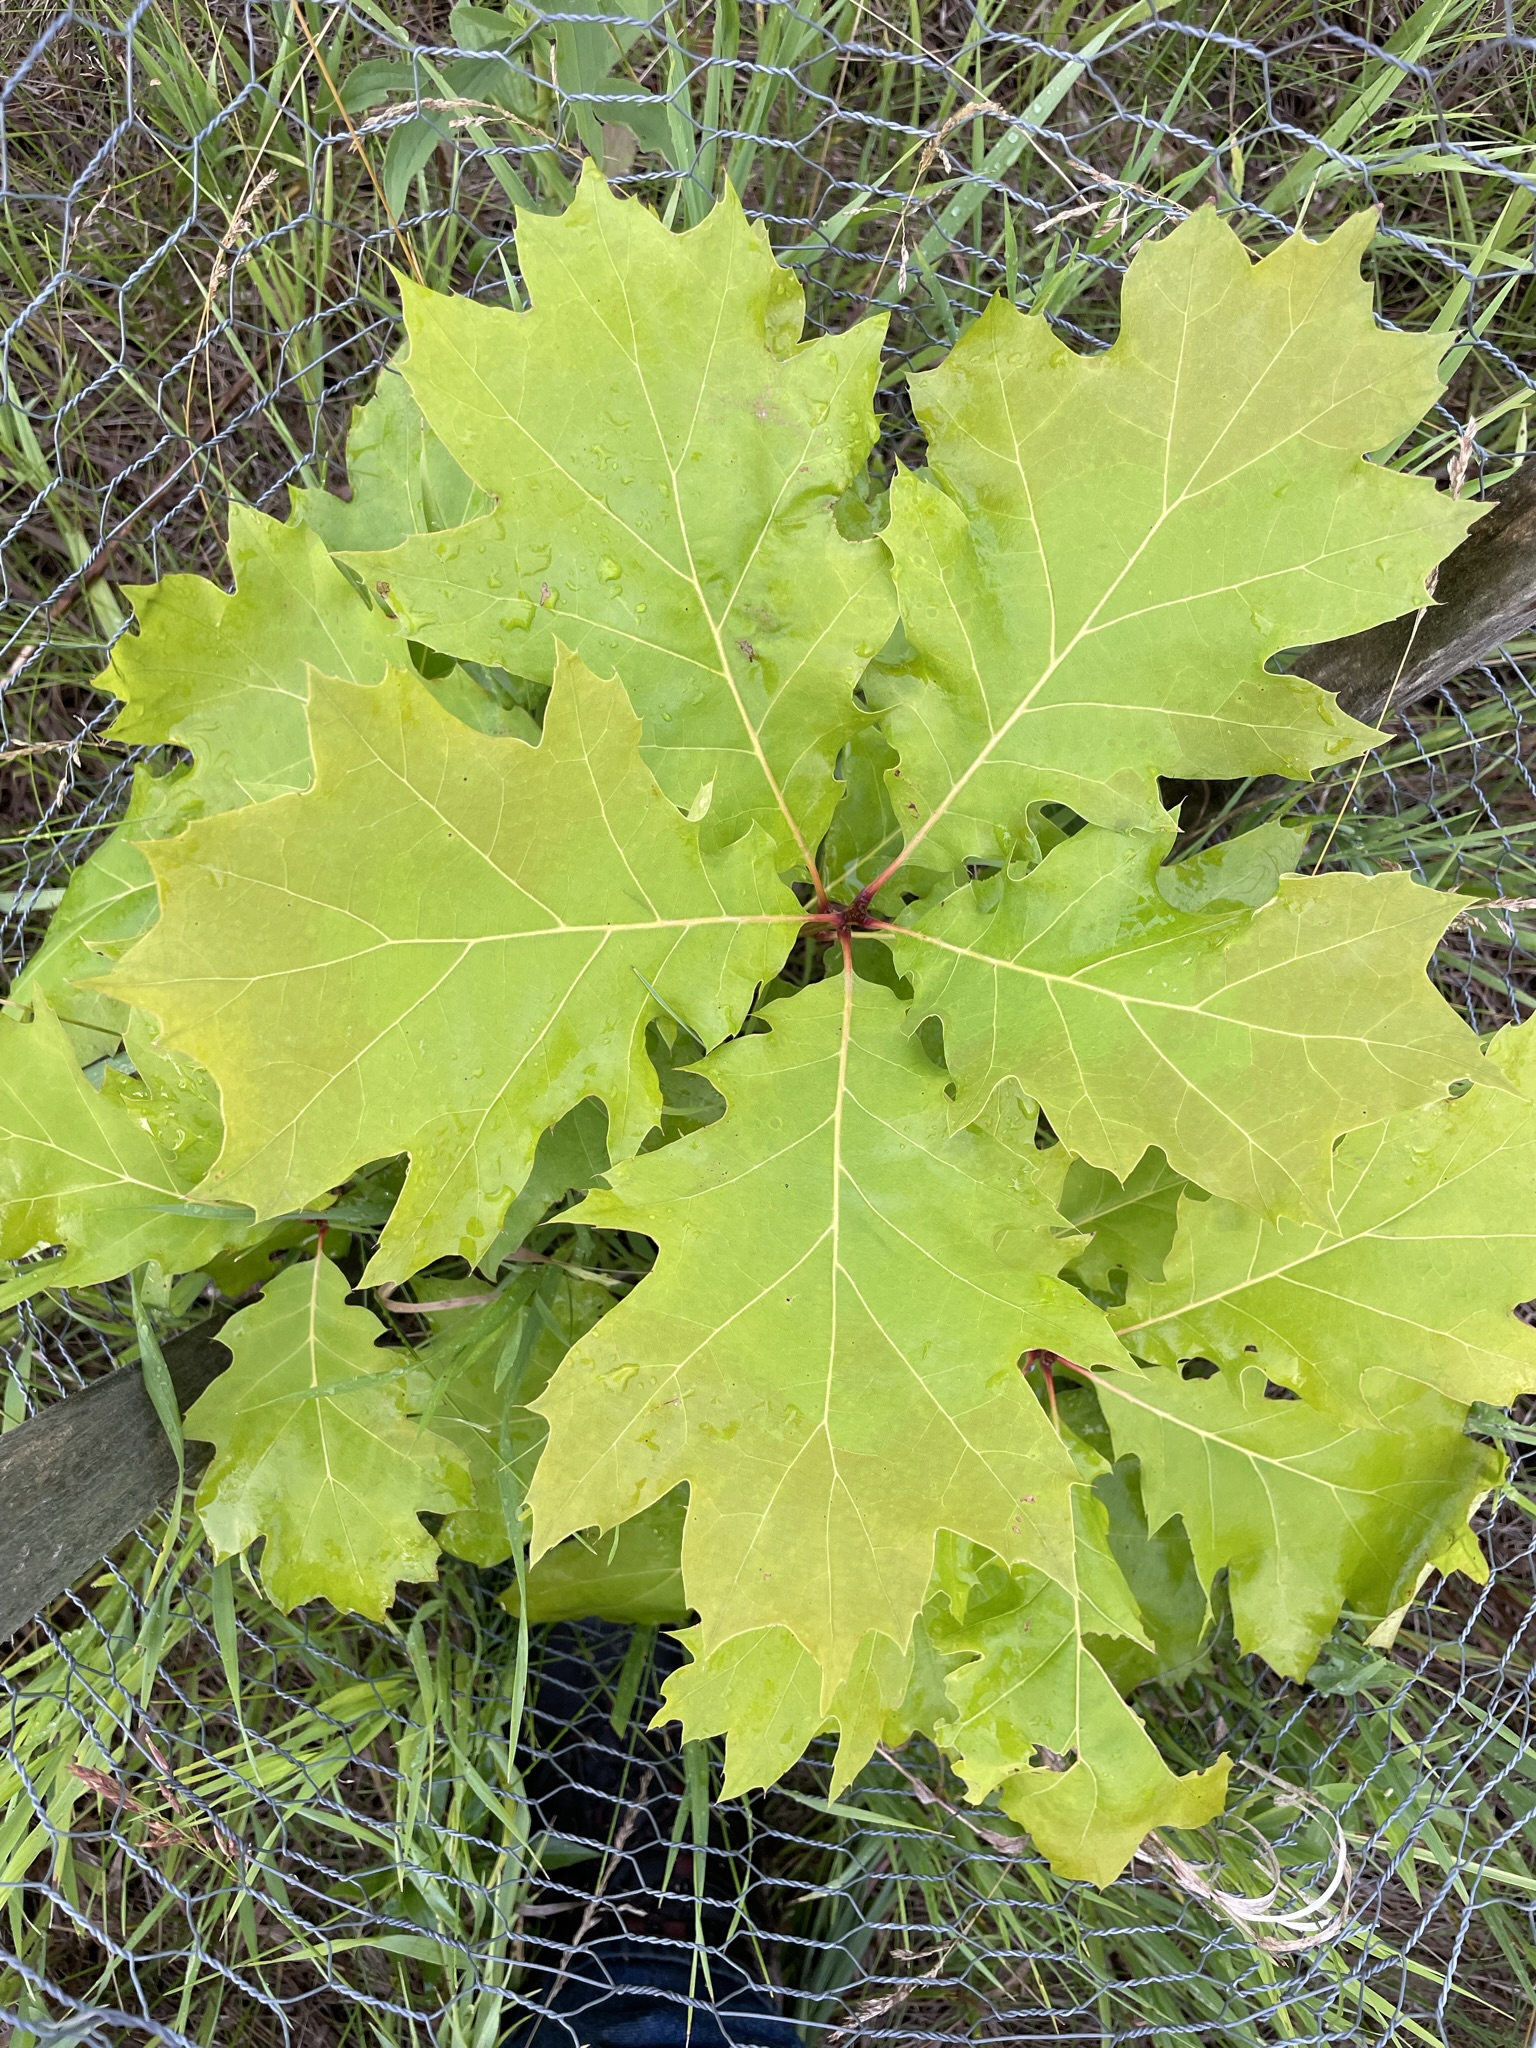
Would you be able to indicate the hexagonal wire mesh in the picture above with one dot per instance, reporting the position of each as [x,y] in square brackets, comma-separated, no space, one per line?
[220,1825]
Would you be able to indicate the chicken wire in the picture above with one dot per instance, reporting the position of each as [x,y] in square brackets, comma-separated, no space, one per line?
[220,1825]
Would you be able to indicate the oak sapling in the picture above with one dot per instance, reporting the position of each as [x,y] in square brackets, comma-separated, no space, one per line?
[784,929]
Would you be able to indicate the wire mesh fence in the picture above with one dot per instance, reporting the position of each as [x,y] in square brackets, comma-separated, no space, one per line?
[220,1825]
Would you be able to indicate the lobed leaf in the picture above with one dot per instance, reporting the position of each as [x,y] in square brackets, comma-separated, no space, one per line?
[446,944]
[226,674]
[108,901]
[401,479]
[1242,1042]
[1031,1684]
[480,1368]
[1006,1669]
[826,1351]
[1415,1282]
[1131,1223]
[666,457]
[81,1170]
[1107,550]
[766,1694]
[1307,1516]
[316,1451]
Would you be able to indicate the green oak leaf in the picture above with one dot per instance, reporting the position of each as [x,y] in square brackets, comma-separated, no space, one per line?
[315,1449]
[967,1574]
[764,1691]
[1432,1249]
[1242,1042]
[1108,549]
[633,1574]
[226,674]
[1131,1223]
[1001,1665]
[403,481]
[571,1154]
[1246,870]
[108,902]
[82,1168]
[401,478]
[826,1351]
[983,1676]
[446,944]
[863,837]
[689,1100]
[480,1367]
[666,456]
[1033,1684]
[1160,1570]
[170,1096]
[1308,1516]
